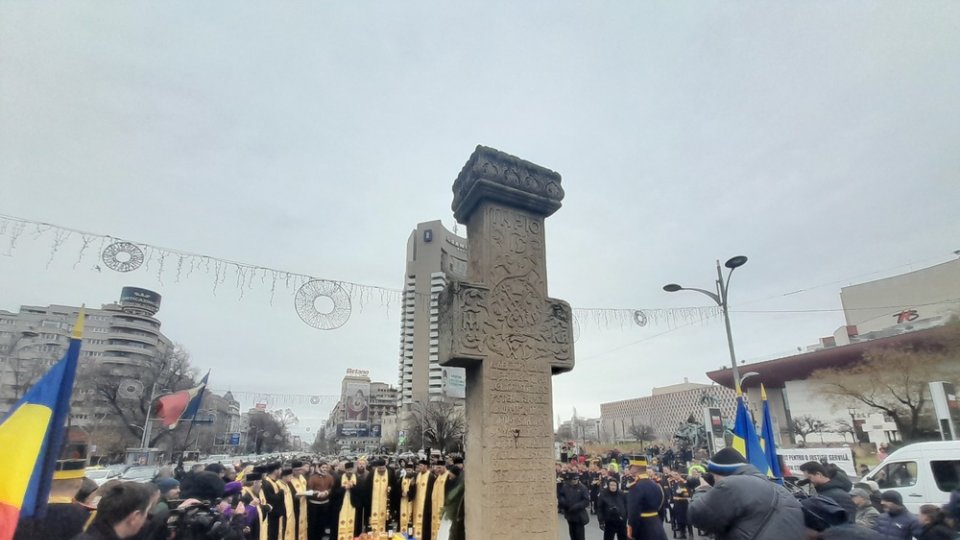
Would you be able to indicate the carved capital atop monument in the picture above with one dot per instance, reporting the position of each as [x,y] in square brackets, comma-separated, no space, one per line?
[492,175]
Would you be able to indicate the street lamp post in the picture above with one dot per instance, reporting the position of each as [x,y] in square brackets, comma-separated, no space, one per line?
[721,298]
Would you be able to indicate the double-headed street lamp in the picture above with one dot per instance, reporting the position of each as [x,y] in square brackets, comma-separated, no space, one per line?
[721,298]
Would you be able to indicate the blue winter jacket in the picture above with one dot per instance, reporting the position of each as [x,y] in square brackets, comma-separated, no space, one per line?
[900,525]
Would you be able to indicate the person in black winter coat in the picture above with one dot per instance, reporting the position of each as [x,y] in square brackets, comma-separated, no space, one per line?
[934,527]
[835,487]
[612,511]
[896,522]
[574,500]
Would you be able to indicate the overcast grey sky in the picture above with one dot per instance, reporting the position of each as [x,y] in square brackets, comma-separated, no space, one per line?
[818,138]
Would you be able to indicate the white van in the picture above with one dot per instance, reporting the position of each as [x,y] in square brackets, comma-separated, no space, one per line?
[923,473]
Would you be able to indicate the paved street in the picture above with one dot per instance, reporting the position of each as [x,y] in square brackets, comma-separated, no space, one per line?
[594,532]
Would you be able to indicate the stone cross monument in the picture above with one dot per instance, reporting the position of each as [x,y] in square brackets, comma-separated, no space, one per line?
[511,338]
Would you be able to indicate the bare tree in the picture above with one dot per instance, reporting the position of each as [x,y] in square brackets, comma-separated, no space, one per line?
[843,427]
[286,417]
[438,424]
[266,434]
[26,372]
[807,424]
[894,380]
[642,433]
[170,371]
[322,444]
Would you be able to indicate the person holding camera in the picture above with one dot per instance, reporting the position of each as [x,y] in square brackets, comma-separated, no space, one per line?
[743,503]
[612,511]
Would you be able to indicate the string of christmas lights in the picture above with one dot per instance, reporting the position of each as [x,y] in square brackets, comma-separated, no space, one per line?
[124,255]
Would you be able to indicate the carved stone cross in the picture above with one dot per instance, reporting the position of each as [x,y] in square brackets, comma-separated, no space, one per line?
[511,338]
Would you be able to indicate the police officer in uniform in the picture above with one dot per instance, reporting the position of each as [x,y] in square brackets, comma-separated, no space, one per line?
[644,501]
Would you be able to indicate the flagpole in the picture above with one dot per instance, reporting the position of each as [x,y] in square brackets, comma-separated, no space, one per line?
[186,439]
[146,425]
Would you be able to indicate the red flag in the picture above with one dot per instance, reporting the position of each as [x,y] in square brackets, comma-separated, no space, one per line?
[170,407]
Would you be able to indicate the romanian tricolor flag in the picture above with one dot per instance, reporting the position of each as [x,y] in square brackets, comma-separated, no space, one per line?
[767,441]
[31,437]
[745,439]
[183,404]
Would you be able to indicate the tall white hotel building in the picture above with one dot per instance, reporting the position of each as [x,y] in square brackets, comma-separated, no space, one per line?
[434,256]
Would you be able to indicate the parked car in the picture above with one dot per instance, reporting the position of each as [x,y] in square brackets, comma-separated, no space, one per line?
[923,473]
[101,475]
[140,474]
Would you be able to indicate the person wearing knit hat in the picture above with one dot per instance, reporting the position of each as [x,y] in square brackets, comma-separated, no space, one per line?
[896,521]
[169,490]
[866,514]
[725,462]
[744,503]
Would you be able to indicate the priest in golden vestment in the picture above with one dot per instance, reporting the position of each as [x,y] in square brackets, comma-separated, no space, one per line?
[438,495]
[422,506]
[377,493]
[406,491]
[290,519]
[252,497]
[299,485]
[273,496]
[349,516]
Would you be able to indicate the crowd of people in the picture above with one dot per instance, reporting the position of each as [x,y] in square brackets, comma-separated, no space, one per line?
[724,497]
[299,499]
[633,497]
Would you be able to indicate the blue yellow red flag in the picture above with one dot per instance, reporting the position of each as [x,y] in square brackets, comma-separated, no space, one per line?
[745,439]
[767,439]
[31,437]
[184,404]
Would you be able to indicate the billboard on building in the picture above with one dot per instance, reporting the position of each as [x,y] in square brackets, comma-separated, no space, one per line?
[357,402]
[141,298]
[455,382]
